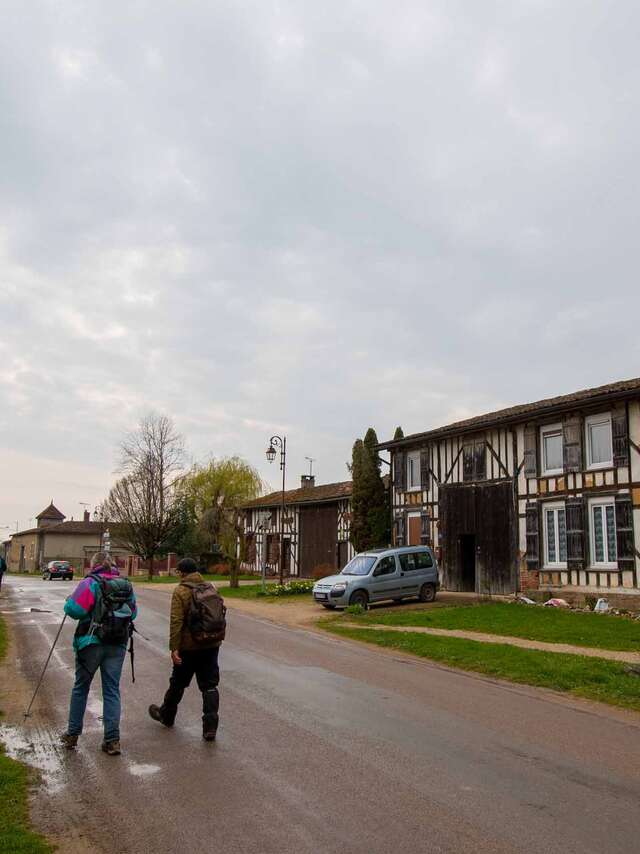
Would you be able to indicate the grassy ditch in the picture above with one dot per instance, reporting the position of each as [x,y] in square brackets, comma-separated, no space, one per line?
[15,778]
[552,625]
[591,678]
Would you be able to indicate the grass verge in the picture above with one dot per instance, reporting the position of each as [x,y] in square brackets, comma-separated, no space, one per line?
[15,778]
[173,579]
[591,678]
[552,625]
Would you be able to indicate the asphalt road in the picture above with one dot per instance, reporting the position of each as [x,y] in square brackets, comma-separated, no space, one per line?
[326,746]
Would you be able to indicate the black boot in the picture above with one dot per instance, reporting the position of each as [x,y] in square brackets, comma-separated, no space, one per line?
[210,705]
[156,713]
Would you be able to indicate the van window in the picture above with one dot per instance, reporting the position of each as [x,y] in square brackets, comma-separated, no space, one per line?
[415,560]
[387,566]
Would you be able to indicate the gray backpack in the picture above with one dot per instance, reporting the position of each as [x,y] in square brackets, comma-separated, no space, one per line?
[207,614]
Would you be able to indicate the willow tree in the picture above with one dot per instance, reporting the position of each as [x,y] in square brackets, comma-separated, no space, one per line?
[213,496]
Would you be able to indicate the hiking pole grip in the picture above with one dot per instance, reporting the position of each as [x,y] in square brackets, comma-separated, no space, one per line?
[44,669]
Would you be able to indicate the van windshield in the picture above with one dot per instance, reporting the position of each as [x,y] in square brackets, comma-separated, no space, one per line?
[360,565]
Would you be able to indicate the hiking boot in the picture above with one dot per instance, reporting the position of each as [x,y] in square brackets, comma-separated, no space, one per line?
[112,748]
[156,713]
[69,741]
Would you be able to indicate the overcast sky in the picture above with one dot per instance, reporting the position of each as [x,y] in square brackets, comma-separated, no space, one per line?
[305,218]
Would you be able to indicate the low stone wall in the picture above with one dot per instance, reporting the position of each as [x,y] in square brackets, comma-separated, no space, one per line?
[576,596]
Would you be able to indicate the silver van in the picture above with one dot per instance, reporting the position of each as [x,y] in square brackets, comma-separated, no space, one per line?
[381,574]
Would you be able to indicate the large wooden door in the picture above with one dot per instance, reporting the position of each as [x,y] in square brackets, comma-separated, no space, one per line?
[415,530]
[318,538]
[478,531]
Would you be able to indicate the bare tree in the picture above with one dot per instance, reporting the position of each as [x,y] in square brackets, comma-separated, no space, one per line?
[143,503]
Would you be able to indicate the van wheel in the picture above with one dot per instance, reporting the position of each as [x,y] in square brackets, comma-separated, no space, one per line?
[427,593]
[329,607]
[359,598]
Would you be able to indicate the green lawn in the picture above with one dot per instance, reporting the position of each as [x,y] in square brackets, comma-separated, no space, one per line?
[592,678]
[173,579]
[552,625]
[15,836]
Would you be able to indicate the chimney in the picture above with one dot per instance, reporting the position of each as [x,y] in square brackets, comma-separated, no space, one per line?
[87,516]
[308,481]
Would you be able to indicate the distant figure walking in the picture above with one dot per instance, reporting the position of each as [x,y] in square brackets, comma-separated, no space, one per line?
[196,630]
[105,606]
[3,569]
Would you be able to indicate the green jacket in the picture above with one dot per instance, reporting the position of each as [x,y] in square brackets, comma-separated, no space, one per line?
[180,637]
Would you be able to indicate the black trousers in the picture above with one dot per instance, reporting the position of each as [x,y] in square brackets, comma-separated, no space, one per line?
[203,663]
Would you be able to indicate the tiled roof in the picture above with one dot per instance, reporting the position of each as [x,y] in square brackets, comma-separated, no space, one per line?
[516,413]
[51,512]
[69,527]
[325,492]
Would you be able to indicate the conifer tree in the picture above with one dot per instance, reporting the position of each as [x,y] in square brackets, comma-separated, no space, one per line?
[399,434]
[359,534]
[377,506]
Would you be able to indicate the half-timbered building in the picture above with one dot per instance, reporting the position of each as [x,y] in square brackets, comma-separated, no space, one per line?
[541,495]
[315,529]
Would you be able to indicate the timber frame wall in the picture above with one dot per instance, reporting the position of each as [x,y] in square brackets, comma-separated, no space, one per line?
[262,527]
[509,450]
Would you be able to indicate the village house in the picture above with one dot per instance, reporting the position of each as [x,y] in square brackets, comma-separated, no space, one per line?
[315,521]
[544,495]
[54,538]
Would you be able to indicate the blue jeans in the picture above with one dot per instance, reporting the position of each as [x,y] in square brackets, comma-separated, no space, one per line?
[110,660]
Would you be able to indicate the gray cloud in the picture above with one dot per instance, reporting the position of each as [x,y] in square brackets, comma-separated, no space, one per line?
[304,217]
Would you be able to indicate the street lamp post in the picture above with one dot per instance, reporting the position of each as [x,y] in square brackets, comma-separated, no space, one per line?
[278,442]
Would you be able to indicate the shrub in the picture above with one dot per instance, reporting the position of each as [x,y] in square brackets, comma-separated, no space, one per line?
[590,601]
[291,588]
[354,610]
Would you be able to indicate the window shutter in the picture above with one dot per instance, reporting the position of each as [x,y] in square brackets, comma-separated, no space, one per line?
[572,444]
[576,533]
[624,532]
[424,470]
[530,451]
[467,462]
[533,537]
[620,440]
[480,461]
[424,529]
[400,471]
[399,526]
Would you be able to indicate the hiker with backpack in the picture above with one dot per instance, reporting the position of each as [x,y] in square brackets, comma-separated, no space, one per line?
[104,605]
[196,630]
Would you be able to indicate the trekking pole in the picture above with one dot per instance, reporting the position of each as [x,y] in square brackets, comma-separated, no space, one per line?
[27,714]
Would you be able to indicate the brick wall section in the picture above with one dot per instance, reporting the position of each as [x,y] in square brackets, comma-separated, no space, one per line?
[529,579]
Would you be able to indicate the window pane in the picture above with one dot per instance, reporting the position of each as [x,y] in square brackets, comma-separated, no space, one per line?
[598,535]
[562,535]
[551,536]
[612,551]
[553,451]
[600,442]
[423,560]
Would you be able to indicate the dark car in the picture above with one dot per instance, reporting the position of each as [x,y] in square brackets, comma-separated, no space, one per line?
[58,569]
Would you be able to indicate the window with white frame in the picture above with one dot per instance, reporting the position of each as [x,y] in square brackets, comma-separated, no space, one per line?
[413,471]
[554,521]
[604,547]
[551,449]
[599,441]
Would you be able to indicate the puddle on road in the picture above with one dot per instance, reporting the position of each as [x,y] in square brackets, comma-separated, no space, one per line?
[37,749]
[139,769]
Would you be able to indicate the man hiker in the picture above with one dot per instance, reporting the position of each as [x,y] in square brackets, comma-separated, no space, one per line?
[3,569]
[104,605]
[196,630]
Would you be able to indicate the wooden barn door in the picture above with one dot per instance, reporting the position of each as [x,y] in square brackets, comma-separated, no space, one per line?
[478,530]
[318,537]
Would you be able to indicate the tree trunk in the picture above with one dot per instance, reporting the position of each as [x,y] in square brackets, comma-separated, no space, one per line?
[151,568]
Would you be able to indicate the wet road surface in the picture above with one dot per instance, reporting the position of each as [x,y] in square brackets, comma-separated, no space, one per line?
[324,746]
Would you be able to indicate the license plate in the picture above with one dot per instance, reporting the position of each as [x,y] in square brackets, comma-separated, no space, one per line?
[321,596]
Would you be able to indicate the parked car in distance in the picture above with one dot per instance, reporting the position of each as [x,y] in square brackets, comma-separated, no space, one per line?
[379,574]
[58,569]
